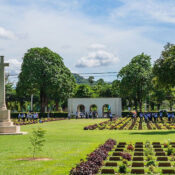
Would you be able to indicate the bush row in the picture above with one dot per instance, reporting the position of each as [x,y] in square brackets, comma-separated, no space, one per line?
[124,114]
[43,115]
[94,160]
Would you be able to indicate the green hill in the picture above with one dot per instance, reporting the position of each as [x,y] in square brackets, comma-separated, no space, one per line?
[80,79]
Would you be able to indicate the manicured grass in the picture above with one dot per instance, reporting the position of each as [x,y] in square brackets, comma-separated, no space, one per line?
[66,144]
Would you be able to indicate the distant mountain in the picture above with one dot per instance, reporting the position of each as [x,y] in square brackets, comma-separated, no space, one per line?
[80,79]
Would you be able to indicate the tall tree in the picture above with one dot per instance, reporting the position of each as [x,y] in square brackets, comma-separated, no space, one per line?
[164,67]
[164,71]
[157,94]
[91,80]
[42,70]
[116,88]
[62,91]
[83,91]
[105,91]
[135,79]
[100,82]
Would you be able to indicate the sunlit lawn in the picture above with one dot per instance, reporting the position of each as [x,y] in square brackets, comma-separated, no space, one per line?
[66,143]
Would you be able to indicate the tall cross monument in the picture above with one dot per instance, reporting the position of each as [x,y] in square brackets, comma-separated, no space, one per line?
[2,84]
[6,126]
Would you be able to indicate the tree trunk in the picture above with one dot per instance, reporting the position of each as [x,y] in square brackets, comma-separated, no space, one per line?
[140,105]
[130,103]
[21,105]
[158,106]
[42,101]
[46,105]
[57,104]
[171,105]
[135,103]
[147,106]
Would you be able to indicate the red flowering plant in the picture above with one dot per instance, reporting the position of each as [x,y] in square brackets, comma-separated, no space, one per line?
[130,147]
[165,145]
[126,155]
[94,160]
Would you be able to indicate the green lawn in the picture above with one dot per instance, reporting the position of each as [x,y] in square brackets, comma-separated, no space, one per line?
[66,144]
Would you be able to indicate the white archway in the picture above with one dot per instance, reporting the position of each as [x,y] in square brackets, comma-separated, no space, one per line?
[114,103]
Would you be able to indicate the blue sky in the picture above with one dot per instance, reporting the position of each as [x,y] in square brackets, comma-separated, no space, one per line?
[90,35]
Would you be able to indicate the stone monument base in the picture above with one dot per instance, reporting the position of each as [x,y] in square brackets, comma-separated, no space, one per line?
[6,126]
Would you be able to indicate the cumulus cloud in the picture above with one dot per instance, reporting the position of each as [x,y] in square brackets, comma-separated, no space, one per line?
[6,34]
[97,59]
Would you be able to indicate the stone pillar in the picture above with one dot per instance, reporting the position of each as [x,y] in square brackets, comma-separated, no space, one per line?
[6,126]
[2,84]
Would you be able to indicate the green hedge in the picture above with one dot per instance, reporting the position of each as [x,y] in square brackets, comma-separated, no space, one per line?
[43,115]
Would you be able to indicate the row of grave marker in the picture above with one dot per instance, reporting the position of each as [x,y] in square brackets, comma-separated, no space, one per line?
[138,156]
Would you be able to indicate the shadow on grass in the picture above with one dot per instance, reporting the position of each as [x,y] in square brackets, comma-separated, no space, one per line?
[153,133]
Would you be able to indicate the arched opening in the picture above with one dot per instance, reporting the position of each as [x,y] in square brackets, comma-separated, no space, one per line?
[106,109]
[81,110]
[93,110]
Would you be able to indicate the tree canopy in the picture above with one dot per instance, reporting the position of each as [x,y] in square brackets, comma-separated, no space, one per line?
[135,79]
[164,67]
[43,70]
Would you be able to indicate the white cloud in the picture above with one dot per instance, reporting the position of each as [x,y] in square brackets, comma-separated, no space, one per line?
[13,70]
[161,11]
[97,59]
[14,66]
[6,34]
[71,33]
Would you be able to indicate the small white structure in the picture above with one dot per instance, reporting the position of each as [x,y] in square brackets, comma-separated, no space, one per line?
[87,104]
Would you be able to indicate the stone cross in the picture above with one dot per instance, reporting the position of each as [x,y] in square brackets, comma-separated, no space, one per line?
[2,84]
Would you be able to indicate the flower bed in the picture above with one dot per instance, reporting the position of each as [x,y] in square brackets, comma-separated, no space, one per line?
[94,160]
[140,158]
[29,122]
[116,123]
[128,158]
[131,124]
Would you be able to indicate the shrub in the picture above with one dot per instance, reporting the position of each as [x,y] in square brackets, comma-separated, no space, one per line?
[151,162]
[122,168]
[170,151]
[130,147]
[101,125]
[125,162]
[148,144]
[149,157]
[85,168]
[126,156]
[149,151]
[151,169]
[166,144]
